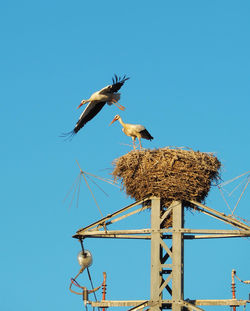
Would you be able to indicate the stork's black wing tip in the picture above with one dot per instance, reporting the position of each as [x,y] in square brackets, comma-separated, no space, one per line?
[125,78]
[120,79]
[68,136]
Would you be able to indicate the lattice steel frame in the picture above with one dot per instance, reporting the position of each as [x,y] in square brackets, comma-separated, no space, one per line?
[167,262]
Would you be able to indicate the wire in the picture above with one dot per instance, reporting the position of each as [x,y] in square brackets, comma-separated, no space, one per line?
[220,187]
[82,173]
[242,182]
[109,181]
[231,180]
[97,185]
[92,193]
[92,285]
[73,187]
[67,194]
[223,197]
[89,275]
[245,282]
[78,193]
[75,282]
[241,195]
[79,177]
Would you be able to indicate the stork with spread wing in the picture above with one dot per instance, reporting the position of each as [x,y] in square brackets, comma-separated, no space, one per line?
[97,101]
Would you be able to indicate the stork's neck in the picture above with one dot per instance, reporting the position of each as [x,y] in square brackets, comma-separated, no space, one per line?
[122,123]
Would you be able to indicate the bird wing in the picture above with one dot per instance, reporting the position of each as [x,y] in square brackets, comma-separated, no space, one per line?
[138,127]
[89,113]
[145,134]
[117,84]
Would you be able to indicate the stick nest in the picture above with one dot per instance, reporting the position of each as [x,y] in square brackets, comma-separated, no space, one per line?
[171,174]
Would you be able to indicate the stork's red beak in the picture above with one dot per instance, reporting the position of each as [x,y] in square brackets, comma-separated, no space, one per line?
[113,121]
[80,105]
[83,102]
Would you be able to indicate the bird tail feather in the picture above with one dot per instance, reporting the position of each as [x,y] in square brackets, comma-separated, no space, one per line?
[145,134]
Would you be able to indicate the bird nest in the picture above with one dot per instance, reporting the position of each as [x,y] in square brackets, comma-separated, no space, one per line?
[171,174]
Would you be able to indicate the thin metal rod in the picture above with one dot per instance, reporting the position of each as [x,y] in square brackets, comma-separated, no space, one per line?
[92,194]
[231,180]
[241,195]
[223,197]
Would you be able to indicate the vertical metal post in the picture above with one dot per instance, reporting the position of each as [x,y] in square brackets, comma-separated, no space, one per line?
[233,288]
[155,295]
[177,260]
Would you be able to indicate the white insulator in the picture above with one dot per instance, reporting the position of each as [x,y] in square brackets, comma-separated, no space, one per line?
[85,259]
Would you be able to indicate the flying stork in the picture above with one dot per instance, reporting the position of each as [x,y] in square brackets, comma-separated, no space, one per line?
[97,101]
[133,130]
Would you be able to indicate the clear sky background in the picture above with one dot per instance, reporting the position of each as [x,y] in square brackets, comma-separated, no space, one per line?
[189,66]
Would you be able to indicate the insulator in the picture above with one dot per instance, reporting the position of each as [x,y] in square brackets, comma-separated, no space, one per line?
[85,259]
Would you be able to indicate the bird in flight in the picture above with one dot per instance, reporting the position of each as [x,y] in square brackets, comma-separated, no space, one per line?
[97,101]
[133,130]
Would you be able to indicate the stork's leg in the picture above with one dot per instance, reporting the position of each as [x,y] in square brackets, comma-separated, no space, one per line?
[118,105]
[140,143]
[133,138]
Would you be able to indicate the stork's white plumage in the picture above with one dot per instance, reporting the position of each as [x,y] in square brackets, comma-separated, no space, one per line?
[133,130]
[97,101]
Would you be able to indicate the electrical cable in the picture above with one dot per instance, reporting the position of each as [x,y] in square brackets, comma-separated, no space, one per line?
[245,282]
[90,279]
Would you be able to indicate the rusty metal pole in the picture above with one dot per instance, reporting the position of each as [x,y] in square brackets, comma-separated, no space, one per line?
[104,288]
[233,288]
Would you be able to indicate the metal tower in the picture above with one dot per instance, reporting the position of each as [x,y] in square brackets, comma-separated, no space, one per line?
[167,252]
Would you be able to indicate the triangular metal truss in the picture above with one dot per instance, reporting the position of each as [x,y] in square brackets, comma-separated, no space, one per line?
[167,251]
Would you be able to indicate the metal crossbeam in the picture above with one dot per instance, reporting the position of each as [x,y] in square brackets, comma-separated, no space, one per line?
[114,233]
[165,302]
[219,302]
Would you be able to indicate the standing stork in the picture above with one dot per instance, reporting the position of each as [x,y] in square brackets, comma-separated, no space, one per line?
[133,130]
[97,101]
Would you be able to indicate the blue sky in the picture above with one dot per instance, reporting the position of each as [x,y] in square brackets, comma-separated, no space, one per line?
[189,67]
